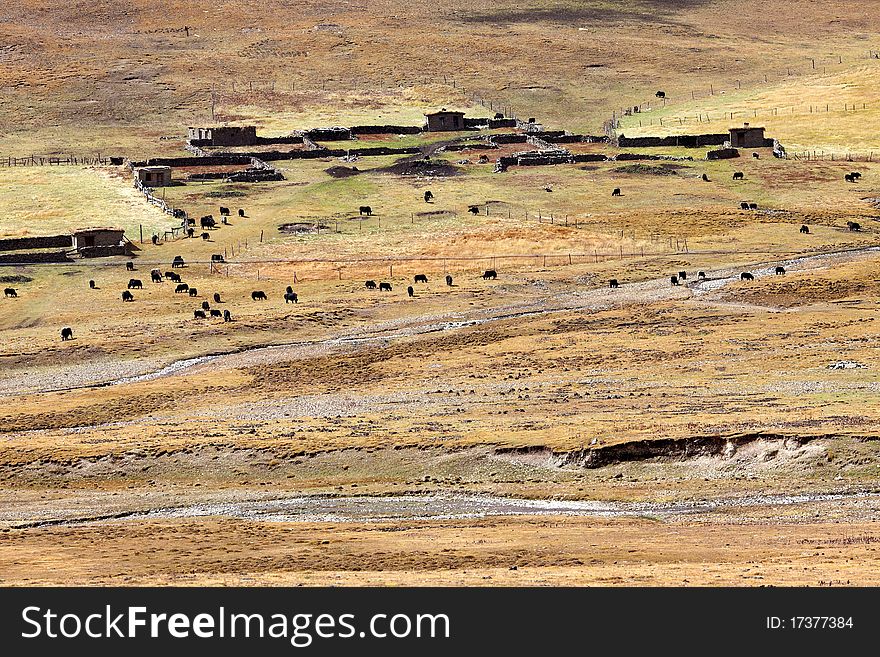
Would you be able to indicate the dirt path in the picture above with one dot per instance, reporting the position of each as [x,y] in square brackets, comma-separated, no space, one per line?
[455,506]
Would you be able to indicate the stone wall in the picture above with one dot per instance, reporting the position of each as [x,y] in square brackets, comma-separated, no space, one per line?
[210,160]
[385,130]
[686,141]
[722,154]
[328,134]
[43,256]
[104,251]
[50,242]
[336,152]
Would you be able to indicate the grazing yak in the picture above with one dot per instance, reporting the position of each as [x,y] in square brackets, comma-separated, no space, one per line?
[701,275]
[738,175]
[673,280]
[217,297]
[420,278]
[428,196]
[155,239]
[205,236]
[258,295]
[156,276]
[190,232]
[174,277]
[10,292]
[706,178]
[365,210]
[207,221]
[127,296]
[449,280]
[744,205]
[217,257]
[129,266]
[616,192]
[240,212]
[613,284]
[66,334]
[853,225]
[135,284]
[682,275]
[193,292]
[756,156]
[753,206]
[290,297]
[183,287]
[370,285]
[227,316]
[805,230]
[746,276]
[849,178]
[93,285]
[473,209]
[660,94]
[490,273]
[384,287]
[177,262]
[410,291]
[216,313]
[855,175]
[224,212]
[780,271]
[206,305]
[199,314]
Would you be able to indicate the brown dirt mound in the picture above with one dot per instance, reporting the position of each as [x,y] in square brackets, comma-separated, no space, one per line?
[435,213]
[662,170]
[342,172]
[422,168]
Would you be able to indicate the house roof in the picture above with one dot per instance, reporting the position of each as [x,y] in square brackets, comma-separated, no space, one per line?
[102,229]
[444,111]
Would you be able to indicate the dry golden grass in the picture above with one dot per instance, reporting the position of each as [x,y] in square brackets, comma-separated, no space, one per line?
[551,551]
[412,407]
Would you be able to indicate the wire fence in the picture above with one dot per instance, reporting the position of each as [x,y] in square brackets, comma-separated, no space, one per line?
[47,160]
[357,268]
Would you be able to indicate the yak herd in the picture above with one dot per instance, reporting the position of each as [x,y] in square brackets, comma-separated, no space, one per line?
[157,276]
[205,311]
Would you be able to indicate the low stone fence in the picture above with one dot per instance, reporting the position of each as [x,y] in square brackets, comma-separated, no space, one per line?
[686,141]
[104,251]
[508,138]
[202,161]
[28,258]
[328,134]
[271,156]
[24,243]
[385,130]
[722,154]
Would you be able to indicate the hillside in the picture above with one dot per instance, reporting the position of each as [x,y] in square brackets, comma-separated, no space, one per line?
[115,76]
